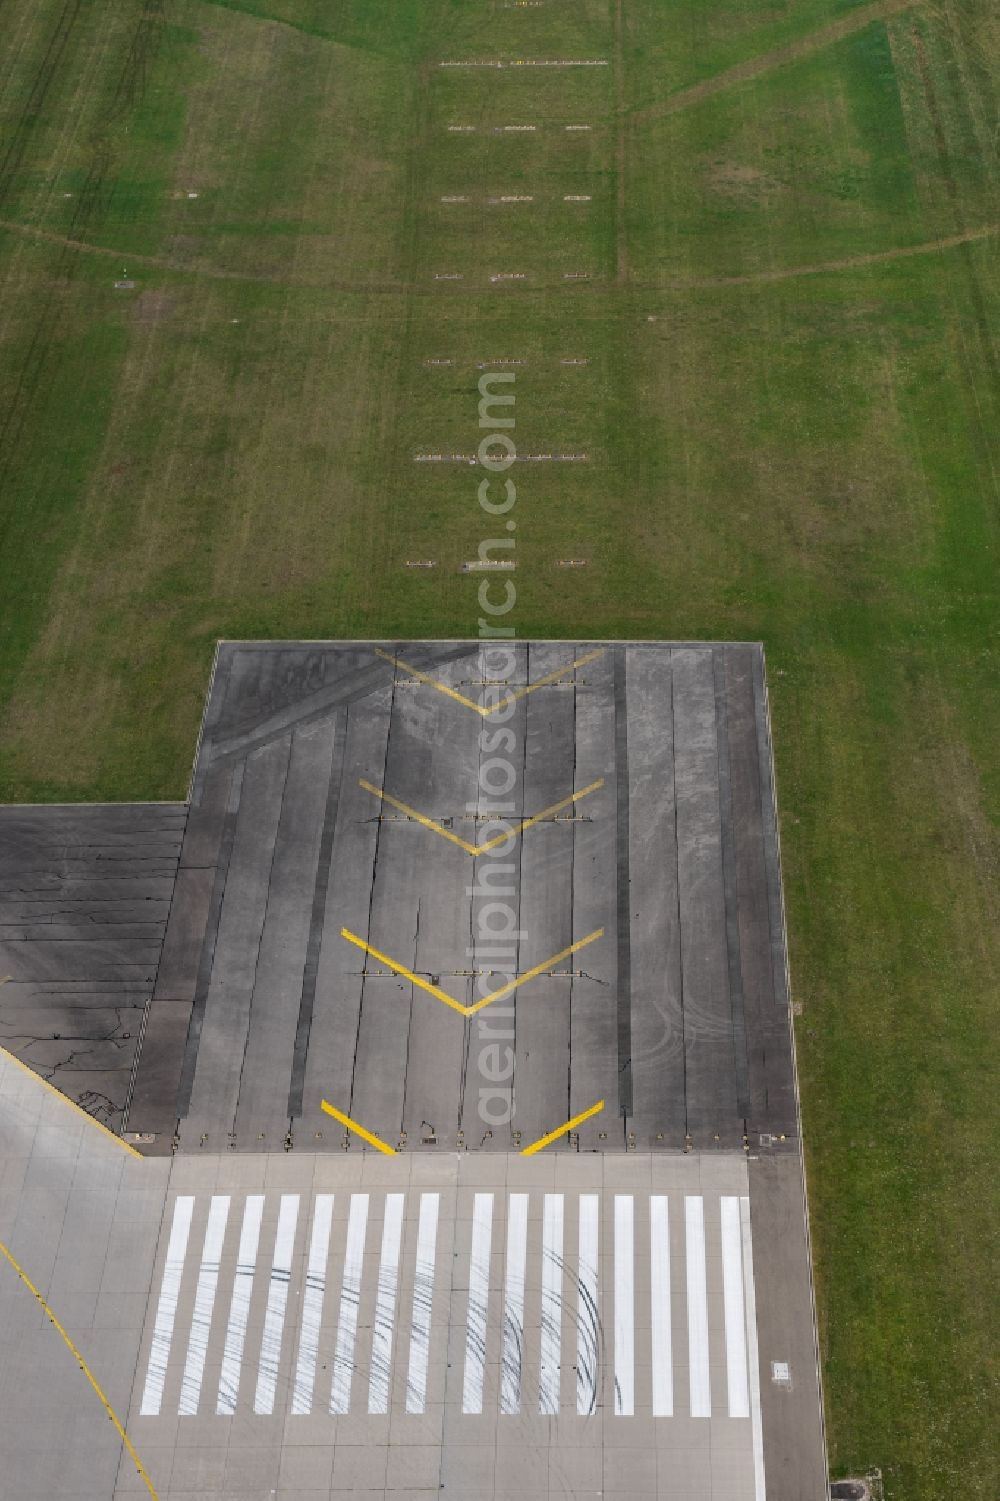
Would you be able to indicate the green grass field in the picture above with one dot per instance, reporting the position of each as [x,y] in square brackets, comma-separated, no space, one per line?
[792,410]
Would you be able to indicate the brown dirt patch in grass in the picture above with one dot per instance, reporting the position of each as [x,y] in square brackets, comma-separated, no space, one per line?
[153,307]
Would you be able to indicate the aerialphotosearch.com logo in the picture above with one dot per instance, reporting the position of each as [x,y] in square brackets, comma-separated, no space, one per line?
[496,935]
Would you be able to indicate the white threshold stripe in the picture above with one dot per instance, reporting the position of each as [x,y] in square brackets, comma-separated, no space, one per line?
[659,1283]
[380,1375]
[624,1307]
[512,1361]
[479,1293]
[277,1298]
[350,1300]
[423,1302]
[552,1278]
[166,1308]
[239,1307]
[588,1320]
[204,1305]
[732,1294]
[206,1226]
[312,1306]
[750,1303]
[697,1306]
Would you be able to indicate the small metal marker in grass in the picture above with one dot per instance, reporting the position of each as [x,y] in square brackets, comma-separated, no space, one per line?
[571,562]
[526,62]
[521,458]
[444,458]
[866,1487]
[488,565]
[555,458]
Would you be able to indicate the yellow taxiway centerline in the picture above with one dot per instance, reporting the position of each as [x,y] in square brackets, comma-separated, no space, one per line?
[489,844]
[503,703]
[444,997]
[544,1141]
[369,1136]
[84,1367]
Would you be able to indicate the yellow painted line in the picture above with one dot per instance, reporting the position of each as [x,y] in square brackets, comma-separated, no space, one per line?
[489,844]
[507,700]
[71,1103]
[401,969]
[544,1141]
[423,677]
[539,969]
[84,1367]
[527,823]
[428,823]
[345,1120]
[443,996]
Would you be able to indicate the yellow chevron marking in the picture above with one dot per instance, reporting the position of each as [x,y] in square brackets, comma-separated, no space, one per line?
[507,700]
[495,995]
[369,1136]
[544,1141]
[488,844]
